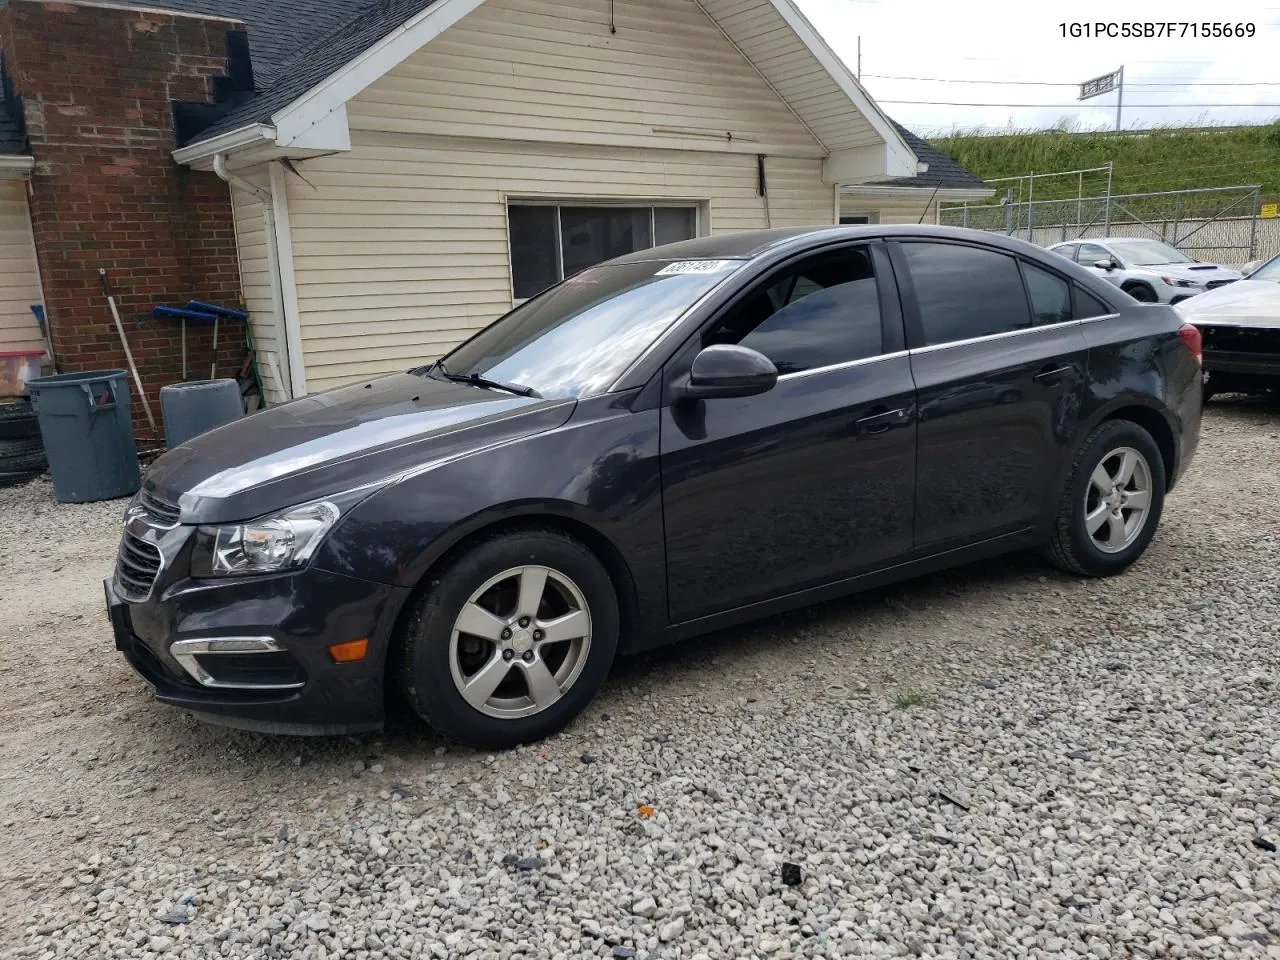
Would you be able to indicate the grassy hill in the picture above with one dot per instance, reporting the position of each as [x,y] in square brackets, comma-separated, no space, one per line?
[1155,160]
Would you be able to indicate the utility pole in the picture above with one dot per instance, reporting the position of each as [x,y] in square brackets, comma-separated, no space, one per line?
[1119,97]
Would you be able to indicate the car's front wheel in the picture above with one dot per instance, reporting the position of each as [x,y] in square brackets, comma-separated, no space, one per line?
[1112,501]
[511,640]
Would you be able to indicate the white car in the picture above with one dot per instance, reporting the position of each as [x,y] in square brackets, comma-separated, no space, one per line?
[1240,331]
[1147,270]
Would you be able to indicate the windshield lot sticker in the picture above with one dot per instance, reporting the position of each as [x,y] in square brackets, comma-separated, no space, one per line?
[696,266]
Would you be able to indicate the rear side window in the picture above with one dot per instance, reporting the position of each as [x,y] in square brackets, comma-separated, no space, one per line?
[1091,253]
[965,292]
[1087,305]
[1050,296]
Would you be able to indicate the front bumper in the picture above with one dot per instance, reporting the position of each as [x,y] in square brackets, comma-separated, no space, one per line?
[294,616]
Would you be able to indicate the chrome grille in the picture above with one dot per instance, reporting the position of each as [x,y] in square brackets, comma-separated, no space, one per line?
[162,510]
[137,567]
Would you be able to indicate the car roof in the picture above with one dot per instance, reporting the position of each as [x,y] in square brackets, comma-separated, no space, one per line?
[751,244]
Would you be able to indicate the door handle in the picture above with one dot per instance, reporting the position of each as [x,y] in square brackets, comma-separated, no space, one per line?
[1052,374]
[879,420]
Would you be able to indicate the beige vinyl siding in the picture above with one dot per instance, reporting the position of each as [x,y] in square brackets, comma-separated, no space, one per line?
[19,276]
[400,246]
[255,279]
[893,209]
[550,70]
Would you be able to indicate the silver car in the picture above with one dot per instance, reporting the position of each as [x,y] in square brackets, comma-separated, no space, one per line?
[1147,270]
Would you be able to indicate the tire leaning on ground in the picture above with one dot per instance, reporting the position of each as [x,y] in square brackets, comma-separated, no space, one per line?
[1112,501]
[17,420]
[19,457]
[511,640]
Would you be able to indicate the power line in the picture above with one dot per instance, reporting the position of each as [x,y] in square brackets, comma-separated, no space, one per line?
[1046,83]
[1054,106]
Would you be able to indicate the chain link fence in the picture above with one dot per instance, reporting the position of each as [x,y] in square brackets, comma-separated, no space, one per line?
[1219,224]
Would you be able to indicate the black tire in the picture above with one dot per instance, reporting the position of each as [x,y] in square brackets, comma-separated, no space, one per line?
[1071,547]
[22,456]
[1141,292]
[423,659]
[17,420]
[16,479]
[1207,393]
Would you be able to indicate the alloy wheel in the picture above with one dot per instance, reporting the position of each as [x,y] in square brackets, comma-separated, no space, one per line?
[520,642]
[1118,500]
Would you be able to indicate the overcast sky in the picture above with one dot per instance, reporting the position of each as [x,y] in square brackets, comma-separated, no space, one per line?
[1020,41]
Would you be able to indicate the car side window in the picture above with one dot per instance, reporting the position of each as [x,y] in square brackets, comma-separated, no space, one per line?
[1087,305]
[1050,296]
[1091,253]
[1068,251]
[964,292]
[818,312]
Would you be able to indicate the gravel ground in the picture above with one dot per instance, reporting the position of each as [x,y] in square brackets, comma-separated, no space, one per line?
[997,761]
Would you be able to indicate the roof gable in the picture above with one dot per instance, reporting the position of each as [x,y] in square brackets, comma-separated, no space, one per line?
[307,102]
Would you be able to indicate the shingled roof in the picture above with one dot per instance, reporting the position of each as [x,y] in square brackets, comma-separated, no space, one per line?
[943,171]
[278,29]
[325,53]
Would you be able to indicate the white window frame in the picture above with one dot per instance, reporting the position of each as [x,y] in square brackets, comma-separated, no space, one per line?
[701,221]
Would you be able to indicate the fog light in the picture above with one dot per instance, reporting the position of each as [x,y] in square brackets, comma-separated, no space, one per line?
[349,652]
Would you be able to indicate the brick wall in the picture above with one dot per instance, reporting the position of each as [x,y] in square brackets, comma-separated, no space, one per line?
[97,85]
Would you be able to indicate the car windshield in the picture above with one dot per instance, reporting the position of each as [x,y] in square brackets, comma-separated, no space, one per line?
[1148,253]
[1268,271]
[577,338]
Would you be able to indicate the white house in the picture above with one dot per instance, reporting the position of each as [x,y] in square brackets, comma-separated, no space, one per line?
[410,175]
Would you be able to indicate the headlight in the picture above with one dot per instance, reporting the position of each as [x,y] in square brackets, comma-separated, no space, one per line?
[281,541]
[1175,282]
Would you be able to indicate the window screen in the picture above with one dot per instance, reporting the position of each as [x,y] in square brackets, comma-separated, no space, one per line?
[1050,296]
[823,311]
[534,265]
[965,292]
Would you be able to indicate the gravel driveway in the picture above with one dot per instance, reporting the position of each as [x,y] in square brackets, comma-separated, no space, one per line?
[999,761]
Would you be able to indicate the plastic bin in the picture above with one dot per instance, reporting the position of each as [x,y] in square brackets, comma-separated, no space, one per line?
[17,367]
[190,409]
[88,435]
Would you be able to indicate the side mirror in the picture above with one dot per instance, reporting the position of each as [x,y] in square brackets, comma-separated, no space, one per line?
[727,370]
[1105,264]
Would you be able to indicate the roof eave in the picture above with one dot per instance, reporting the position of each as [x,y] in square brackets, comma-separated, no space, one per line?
[898,190]
[201,153]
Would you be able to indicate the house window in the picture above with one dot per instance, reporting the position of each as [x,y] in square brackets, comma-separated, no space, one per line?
[552,241]
[856,218]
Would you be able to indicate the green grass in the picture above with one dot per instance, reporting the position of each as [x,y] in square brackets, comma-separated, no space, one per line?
[1170,158]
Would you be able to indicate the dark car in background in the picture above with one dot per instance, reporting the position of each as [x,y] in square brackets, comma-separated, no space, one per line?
[681,439]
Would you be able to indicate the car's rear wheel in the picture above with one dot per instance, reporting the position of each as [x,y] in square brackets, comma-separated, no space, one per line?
[511,640]
[1141,292]
[1112,502]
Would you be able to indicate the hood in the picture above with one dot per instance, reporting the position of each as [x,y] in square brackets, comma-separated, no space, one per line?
[1246,303]
[1200,272]
[324,444]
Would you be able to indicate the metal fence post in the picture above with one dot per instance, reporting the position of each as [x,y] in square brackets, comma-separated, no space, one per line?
[1106,226]
[1031,217]
[1253,223]
[964,216]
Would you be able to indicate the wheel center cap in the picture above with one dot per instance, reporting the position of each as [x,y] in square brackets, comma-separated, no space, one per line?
[521,640]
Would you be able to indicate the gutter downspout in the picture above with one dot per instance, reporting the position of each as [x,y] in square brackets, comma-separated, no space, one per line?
[273,259]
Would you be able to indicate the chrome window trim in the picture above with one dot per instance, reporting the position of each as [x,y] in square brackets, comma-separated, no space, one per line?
[185,651]
[845,365]
[929,348]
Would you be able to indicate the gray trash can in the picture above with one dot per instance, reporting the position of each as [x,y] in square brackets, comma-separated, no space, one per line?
[190,409]
[88,435]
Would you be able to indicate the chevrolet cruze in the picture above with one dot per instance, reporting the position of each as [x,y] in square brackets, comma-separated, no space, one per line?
[680,439]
